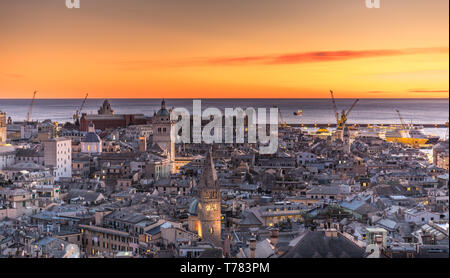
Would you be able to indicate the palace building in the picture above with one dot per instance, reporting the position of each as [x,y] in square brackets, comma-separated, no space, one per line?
[106,119]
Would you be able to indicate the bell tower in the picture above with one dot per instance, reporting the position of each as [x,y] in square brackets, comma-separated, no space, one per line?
[162,127]
[209,203]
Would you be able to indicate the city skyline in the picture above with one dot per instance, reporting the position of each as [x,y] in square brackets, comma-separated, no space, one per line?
[229,49]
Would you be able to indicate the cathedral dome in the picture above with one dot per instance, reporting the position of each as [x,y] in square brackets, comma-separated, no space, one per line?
[163,112]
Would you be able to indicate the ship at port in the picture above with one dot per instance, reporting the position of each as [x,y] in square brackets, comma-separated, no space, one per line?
[410,135]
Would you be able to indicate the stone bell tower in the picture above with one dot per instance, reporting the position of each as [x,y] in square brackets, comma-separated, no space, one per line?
[162,127]
[209,203]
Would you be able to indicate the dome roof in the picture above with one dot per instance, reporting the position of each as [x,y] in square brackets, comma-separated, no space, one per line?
[91,137]
[163,113]
[193,207]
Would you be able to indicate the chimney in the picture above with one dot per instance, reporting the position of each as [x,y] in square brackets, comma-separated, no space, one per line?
[252,247]
[274,236]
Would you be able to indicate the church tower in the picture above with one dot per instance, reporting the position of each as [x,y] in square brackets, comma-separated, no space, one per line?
[105,109]
[162,126]
[347,142]
[209,203]
[2,127]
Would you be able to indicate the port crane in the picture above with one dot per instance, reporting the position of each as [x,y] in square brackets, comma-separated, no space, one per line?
[76,116]
[31,107]
[341,119]
[404,126]
[283,122]
[401,119]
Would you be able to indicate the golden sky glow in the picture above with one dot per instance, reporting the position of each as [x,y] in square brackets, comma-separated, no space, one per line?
[217,49]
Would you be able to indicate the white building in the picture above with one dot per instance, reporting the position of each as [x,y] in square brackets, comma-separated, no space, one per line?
[58,155]
[420,216]
[91,143]
[7,156]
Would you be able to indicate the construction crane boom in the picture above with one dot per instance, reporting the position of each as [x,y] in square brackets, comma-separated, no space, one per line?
[334,106]
[76,116]
[351,108]
[401,119]
[31,106]
[341,119]
[283,123]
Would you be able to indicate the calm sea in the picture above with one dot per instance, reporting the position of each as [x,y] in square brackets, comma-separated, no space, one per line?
[423,111]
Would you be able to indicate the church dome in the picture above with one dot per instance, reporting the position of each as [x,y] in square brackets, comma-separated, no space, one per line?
[163,112]
[91,137]
[193,207]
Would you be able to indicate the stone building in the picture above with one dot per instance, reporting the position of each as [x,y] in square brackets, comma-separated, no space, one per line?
[91,143]
[205,211]
[162,127]
[2,127]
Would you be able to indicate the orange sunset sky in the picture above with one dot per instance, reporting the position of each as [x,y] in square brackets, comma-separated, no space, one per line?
[224,48]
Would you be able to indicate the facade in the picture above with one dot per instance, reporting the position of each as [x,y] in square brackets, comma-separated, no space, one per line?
[106,119]
[7,156]
[91,143]
[162,126]
[105,109]
[58,154]
[97,241]
[2,127]
[209,210]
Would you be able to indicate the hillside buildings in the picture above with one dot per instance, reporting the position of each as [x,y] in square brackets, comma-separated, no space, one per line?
[121,189]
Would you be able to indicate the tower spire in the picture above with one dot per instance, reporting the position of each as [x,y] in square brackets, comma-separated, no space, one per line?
[209,175]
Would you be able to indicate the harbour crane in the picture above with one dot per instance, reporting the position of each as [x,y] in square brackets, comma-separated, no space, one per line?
[401,119]
[283,122]
[341,119]
[31,107]
[76,116]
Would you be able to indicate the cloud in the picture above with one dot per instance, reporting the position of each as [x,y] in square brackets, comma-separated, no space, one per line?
[278,59]
[320,56]
[427,91]
[379,92]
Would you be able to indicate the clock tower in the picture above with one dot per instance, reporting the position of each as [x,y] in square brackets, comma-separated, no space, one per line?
[209,203]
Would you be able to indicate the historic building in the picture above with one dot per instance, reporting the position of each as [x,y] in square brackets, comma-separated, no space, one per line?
[91,143]
[106,119]
[207,206]
[105,109]
[2,127]
[162,127]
